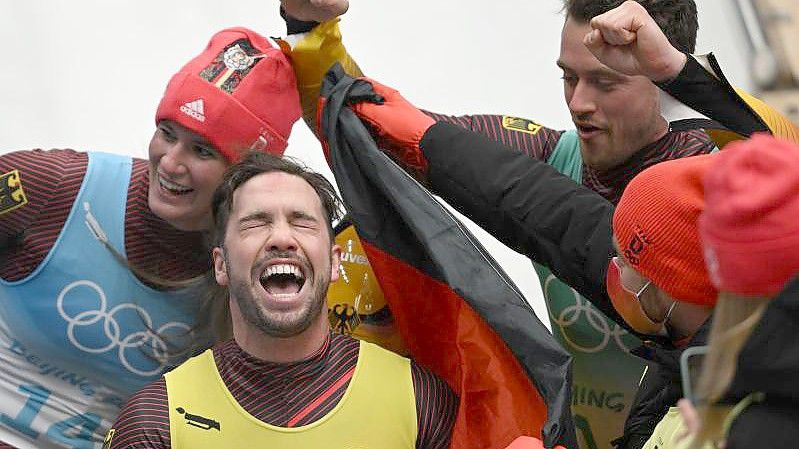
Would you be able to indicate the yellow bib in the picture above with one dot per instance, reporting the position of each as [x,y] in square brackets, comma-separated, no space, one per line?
[378,410]
[668,433]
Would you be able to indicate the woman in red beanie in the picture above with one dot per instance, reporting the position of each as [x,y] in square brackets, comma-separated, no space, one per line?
[103,256]
[750,236]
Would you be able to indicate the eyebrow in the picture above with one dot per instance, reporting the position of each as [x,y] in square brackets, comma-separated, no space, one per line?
[266,216]
[304,216]
[256,216]
[196,139]
[201,142]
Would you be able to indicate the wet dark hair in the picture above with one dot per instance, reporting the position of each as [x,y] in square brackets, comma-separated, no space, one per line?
[256,163]
[677,18]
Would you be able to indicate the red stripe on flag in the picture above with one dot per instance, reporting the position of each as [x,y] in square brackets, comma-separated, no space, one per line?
[322,397]
[498,401]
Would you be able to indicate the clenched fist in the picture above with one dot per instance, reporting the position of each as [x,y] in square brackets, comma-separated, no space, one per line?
[627,39]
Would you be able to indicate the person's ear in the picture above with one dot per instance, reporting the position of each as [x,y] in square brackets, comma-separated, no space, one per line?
[335,262]
[220,267]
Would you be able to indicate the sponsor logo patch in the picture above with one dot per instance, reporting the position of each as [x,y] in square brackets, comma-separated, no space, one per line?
[343,318]
[199,421]
[232,65]
[12,196]
[520,124]
[236,58]
[638,243]
[194,109]
[108,437]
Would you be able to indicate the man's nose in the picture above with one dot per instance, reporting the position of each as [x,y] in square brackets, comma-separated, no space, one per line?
[583,99]
[281,238]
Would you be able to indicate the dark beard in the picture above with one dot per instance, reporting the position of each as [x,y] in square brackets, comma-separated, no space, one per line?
[276,326]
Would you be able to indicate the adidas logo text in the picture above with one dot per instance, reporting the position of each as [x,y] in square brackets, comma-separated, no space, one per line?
[194,109]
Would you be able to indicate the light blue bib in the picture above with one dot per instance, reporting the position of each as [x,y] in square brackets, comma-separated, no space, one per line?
[80,334]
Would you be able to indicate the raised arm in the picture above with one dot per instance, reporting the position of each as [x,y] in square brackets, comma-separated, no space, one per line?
[526,204]
[523,202]
[628,39]
[314,47]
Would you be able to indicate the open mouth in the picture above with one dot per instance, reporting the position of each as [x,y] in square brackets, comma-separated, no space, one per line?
[173,187]
[587,129]
[283,280]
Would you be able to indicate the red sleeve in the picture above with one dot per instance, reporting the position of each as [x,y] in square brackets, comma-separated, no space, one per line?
[144,422]
[436,409]
[521,134]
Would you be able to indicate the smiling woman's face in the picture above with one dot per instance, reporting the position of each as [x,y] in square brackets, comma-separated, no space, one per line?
[184,172]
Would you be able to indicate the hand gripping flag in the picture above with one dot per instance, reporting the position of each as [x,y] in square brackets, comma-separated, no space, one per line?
[458,312]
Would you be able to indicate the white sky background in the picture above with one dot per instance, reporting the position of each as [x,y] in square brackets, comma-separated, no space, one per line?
[88,74]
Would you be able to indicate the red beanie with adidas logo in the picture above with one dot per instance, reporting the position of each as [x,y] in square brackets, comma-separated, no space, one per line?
[240,94]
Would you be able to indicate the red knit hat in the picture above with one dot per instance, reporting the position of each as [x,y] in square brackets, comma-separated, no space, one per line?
[240,94]
[750,228]
[656,228]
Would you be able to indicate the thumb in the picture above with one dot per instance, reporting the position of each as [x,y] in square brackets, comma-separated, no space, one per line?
[594,39]
[626,36]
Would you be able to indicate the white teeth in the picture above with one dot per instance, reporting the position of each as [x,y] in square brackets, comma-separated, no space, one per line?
[284,295]
[283,268]
[172,186]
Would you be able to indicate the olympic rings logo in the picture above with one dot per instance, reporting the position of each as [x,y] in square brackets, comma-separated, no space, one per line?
[113,331]
[593,330]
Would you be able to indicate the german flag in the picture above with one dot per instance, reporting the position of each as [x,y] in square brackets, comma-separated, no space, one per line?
[458,312]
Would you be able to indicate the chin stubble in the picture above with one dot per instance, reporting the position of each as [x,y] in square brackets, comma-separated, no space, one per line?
[278,325]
